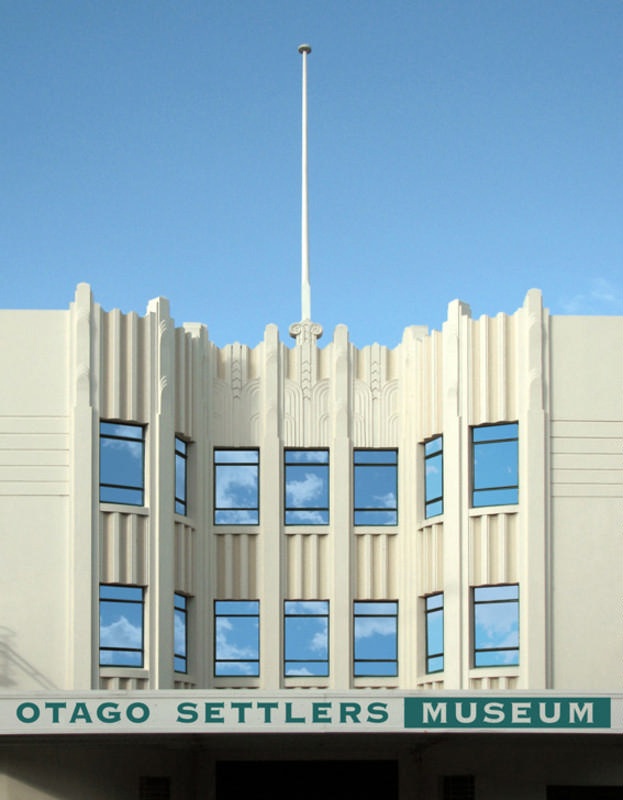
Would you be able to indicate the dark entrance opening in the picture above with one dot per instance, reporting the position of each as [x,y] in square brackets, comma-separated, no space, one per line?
[304,780]
[585,793]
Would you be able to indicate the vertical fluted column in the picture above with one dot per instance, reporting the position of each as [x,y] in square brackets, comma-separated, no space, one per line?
[272,548]
[83,559]
[342,542]
[160,480]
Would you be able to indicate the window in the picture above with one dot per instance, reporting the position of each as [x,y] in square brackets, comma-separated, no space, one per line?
[495,465]
[433,477]
[434,632]
[121,626]
[376,487]
[496,625]
[181,475]
[180,633]
[375,638]
[237,638]
[122,463]
[306,487]
[306,634]
[236,487]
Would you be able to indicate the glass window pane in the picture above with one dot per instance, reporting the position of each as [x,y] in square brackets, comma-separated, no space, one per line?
[306,487]
[495,464]
[236,487]
[484,433]
[121,626]
[433,446]
[496,625]
[434,664]
[434,632]
[180,479]
[236,456]
[307,456]
[376,518]
[433,477]
[376,486]
[113,592]
[376,638]
[306,629]
[434,509]
[376,457]
[501,592]
[237,638]
[495,475]
[180,633]
[119,429]
[376,668]
[121,463]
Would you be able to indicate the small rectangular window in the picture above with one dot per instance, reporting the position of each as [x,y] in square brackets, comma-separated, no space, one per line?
[122,463]
[306,635]
[434,632]
[433,477]
[236,487]
[237,638]
[121,625]
[306,487]
[496,625]
[376,487]
[180,644]
[375,638]
[495,465]
[181,475]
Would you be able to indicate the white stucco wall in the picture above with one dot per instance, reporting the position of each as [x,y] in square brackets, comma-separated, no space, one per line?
[34,499]
[587,501]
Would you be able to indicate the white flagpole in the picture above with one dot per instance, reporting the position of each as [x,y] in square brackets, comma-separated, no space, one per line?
[304,50]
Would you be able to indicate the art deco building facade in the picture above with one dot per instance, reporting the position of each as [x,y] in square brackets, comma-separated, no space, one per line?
[294,537]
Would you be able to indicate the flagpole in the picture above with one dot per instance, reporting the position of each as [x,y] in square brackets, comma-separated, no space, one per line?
[304,50]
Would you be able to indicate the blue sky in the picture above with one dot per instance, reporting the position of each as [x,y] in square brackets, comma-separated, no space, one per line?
[458,148]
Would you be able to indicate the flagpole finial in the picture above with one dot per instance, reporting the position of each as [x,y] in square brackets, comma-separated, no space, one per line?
[304,48]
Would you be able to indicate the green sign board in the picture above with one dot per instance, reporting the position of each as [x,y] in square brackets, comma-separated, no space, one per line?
[507,712]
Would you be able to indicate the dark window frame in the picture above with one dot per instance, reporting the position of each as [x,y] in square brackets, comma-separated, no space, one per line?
[429,610]
[249,509]
[292,661]
[362,466]
[496,601]
[325,463]
[106,435]
[223,661]
[475,489]
[428,457]
[180,660]
[113,649]
[375,615]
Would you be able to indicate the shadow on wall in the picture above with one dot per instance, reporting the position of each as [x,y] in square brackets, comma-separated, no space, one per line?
[11,663]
